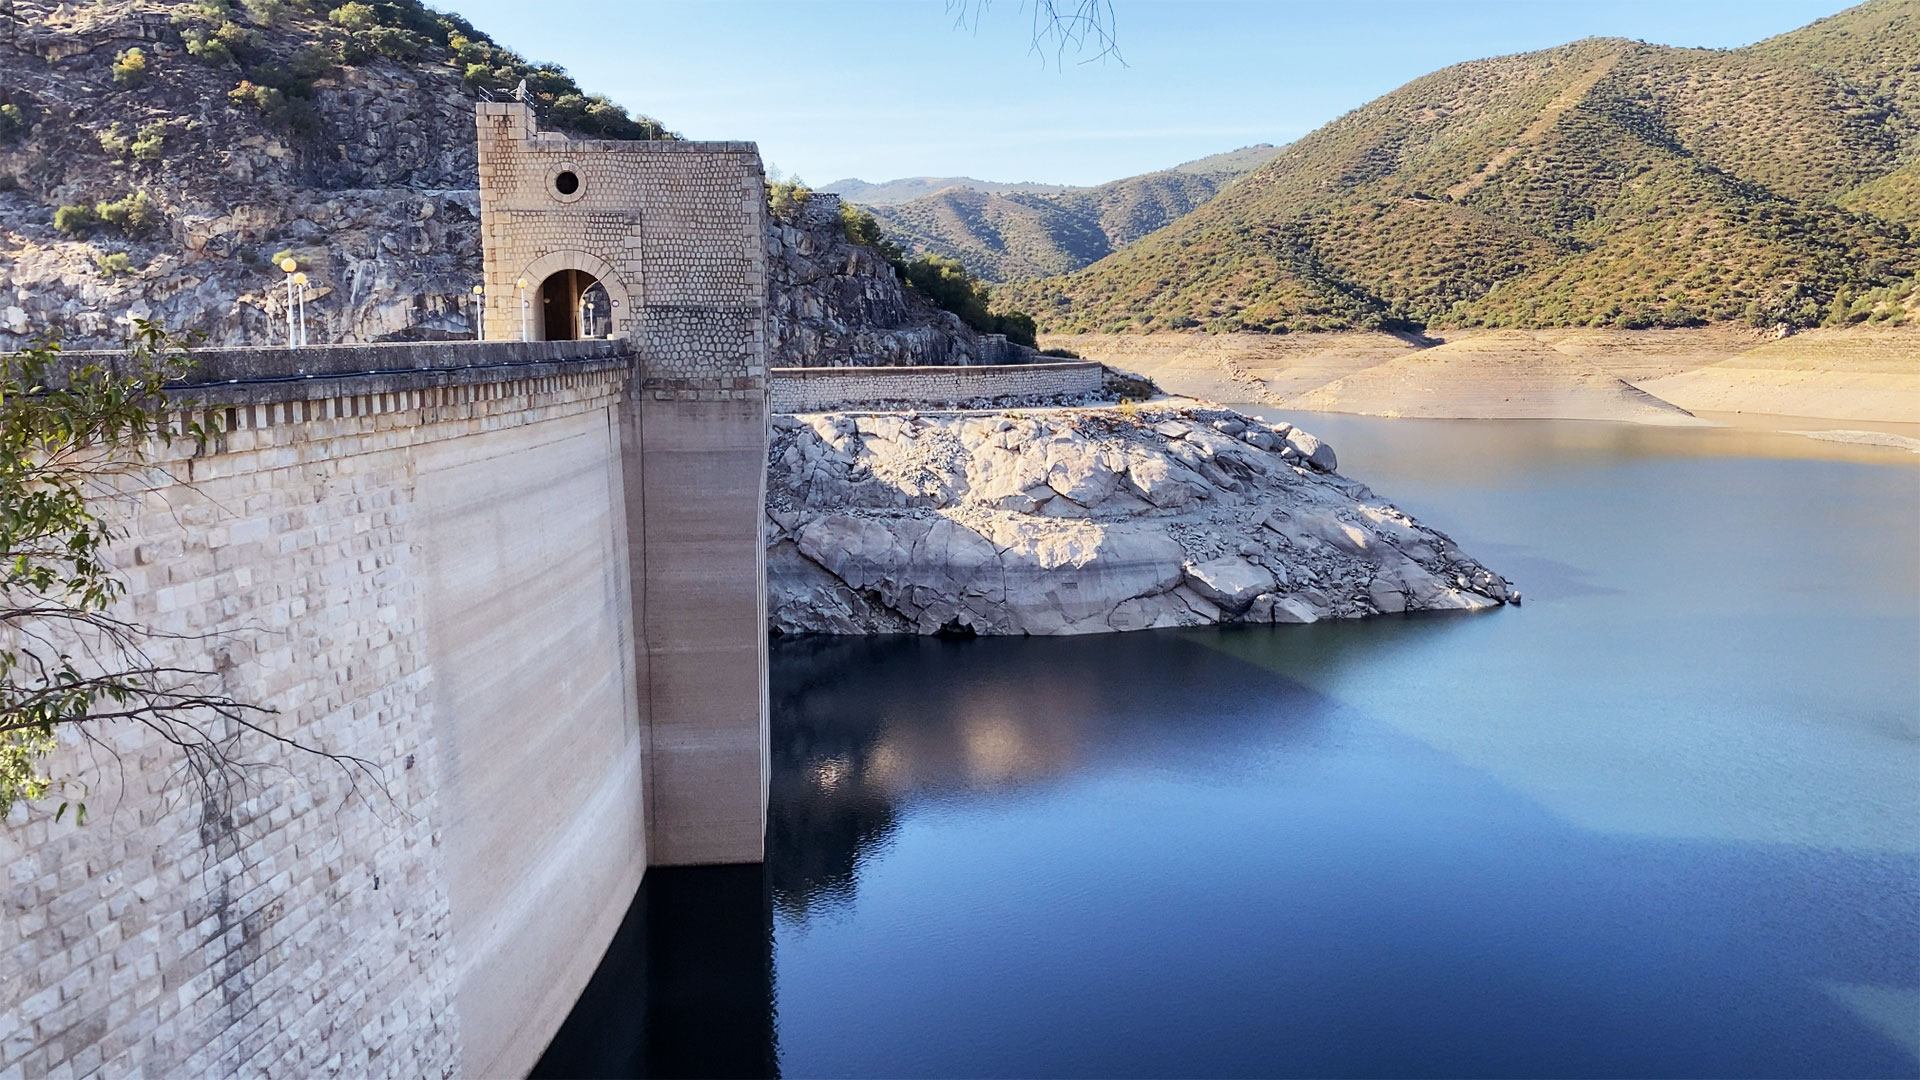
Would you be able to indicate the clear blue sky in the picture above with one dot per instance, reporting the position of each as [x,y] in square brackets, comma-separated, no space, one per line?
[881,89]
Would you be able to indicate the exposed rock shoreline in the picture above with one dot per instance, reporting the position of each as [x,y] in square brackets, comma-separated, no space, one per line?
[1085,520]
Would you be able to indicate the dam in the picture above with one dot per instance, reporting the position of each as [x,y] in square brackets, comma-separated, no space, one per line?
[521,581]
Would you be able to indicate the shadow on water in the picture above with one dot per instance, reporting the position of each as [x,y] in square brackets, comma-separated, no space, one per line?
[685,988]
[1162,854]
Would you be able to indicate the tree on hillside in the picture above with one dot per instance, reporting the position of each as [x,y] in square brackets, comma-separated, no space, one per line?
[68,662]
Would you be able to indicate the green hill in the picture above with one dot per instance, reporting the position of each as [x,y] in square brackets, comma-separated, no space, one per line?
[1605,182]
[1005,232]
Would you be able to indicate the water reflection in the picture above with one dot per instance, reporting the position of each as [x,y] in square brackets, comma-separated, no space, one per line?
[1664,820]
[867,726]
[1175,859]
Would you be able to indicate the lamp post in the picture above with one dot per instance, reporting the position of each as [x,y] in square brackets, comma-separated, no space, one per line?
[522,285]
[300,281]
[479,313]
[290,265]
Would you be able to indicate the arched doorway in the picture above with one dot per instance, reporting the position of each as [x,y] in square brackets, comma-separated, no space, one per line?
[573,305]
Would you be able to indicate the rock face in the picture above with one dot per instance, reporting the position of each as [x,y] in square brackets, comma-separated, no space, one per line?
[376,198]
[1072,521]
[834,303]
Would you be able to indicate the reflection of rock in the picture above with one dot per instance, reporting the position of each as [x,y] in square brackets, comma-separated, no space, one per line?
[865,728]
[1070,521]
[824,809]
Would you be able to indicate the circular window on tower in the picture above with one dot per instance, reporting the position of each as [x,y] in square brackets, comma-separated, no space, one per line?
[565,182]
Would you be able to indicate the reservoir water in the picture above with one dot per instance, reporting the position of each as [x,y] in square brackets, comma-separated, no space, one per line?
[1664,819]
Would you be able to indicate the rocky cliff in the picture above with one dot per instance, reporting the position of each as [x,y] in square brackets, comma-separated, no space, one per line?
[834,303]
[371,189]
[1069,521]
[368,180]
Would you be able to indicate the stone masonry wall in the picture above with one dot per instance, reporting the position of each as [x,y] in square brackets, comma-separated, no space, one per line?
[674,231]
[813,389]
[310,922]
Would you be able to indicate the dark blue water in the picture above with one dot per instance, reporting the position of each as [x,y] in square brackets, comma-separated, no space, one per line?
[1662,820]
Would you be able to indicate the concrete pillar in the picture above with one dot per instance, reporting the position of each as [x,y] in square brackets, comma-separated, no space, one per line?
[703,472]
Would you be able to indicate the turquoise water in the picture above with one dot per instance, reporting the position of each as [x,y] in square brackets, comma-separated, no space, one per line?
[1662,820]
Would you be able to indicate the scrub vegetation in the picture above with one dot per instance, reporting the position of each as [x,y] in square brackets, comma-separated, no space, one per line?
[279,80]
[1603,183]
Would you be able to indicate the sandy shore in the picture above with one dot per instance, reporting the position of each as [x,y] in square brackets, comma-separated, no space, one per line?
[1858,379]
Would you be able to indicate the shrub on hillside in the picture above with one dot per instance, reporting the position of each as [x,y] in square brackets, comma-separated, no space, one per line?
[113,264]
[207,11]
[1018,326]
[130,68]
[77,220]
[353,17]
[594,114]
[860,227]
[130,215]
[250,93]
[288,108]
[113,139]
[150,142]
[947,283]
[203,46]
[391,42]
[786,197]
[266,12]
[308,63]
[942,280]
[242,41]
[13,120]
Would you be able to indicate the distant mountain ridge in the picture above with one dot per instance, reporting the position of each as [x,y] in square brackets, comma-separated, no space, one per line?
[907,189]
[1006,232]
[1604,182]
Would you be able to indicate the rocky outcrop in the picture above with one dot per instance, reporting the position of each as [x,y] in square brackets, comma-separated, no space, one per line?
[834,303]
[1070,521]
[374,195]
[375,198]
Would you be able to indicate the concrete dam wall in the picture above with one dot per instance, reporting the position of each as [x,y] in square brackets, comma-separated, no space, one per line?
[520,582]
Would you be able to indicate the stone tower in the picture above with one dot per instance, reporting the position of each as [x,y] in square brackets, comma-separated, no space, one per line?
[673,236]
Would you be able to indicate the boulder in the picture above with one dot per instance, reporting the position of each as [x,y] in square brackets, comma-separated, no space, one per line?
[1231,583]
[1318,454]
[1293,609]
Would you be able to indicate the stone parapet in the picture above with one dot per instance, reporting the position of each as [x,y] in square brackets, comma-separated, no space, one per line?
[810,389]
[212,366]
[227,377]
